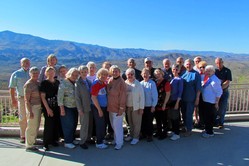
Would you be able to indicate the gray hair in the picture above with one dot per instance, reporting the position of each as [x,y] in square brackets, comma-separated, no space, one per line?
[82,67]
[90,63]
[33,70]
[129,71]
[70,72]
[210,67]
[23,60]
[188,60]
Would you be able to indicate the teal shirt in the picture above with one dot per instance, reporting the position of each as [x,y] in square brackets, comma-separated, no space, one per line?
[66,94]
[18,79]
[191,85]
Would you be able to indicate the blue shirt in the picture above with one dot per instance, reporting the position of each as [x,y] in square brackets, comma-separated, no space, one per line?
[99,89]
[191,85]
[18,79]
[176,88]
[150,93]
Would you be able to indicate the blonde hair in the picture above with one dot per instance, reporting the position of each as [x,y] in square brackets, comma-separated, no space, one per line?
[70,72]
[102,71]
[51,56]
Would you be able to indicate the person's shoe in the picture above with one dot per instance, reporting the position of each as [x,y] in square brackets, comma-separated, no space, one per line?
[55,144]
[91,141]
[70,146]
[134,141]
[206,135]
[46,148]
[76,142]
[84,146]
[220,127]
[129,138]
[101,146]
[149,139]
[187,134]
[22,140]
[118,147]
[32,149]
[175,137]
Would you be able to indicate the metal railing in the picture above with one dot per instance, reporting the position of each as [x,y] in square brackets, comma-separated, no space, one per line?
[238,103]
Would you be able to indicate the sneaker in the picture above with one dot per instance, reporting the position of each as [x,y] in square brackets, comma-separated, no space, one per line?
[46,148]
[129,138]
[206,135]
[118,147]
[134,141]
[175,137]
[84,146]
[101,146]
[70,146]
[76,142]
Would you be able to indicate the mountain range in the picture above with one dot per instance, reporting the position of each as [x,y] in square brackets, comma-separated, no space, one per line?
[14,46]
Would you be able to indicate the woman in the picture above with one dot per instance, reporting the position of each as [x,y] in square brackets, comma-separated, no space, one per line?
[99,99]
[190,95]
[51,62]
[199,119]
[134,105]
[116,90]
[83,102]
[176,85]
[163,89]
[50,108]
[91,71]
[68,109]
[211,94]
[33,108]
[151,98]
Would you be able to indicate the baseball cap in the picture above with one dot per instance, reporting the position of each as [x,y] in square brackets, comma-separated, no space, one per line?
[147,59]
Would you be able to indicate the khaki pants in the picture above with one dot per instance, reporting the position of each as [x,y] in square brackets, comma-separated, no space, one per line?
[33,126]
[135,120]
[22,116]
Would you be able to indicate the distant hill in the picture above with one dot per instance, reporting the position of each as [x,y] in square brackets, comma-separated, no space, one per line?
[14,46]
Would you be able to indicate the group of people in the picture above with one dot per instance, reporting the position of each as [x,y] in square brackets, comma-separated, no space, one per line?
[102,99]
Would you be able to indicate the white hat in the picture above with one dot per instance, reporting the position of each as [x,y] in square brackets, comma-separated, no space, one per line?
[147,59]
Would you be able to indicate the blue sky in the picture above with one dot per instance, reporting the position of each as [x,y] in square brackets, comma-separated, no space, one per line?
[196,25]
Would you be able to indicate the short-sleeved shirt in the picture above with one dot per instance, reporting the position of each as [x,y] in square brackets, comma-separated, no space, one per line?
[224,74]
[51,90]
[18,79]
[99,89]
[32,93]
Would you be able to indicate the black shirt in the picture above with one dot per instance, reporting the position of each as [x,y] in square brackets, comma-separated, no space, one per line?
[224,74]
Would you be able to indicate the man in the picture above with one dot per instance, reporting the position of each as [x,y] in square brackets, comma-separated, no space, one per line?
[180,62]
[17,81]
[225,76]
[196,61]
[132,64]
[148,64]
[168,75]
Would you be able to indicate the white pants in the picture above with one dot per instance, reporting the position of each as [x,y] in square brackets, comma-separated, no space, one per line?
[117,125]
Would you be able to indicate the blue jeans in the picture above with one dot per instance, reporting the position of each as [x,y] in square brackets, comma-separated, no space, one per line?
[222,108]
[100,123]
[69,124]
[187,109]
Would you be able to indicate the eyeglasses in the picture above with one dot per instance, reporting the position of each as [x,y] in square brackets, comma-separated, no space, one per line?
[202,67]
[175,69]
[130,74]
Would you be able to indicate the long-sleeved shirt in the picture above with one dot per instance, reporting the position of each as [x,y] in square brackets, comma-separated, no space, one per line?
[212,89]
[150,93]
[176,88]
[66,94]
[116,90]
